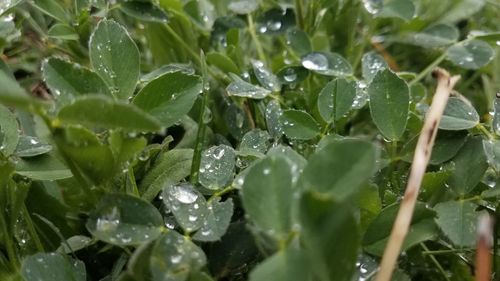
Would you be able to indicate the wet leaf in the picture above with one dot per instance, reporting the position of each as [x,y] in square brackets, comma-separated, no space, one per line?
[272,114]
[217,167]
[144,11]
[31,146]
[52,267]
[243,6]
[216,221]
[472,54]
[265,77]
[371,64]
[187,204]
[8,131]
[42,167]
[330,64]
[458,115]
[275,21]
[241,88]
[299,124]
[336,98]
[299,41]
[122,220]
[389,103]
[291,75]
[115,57]
[457,220]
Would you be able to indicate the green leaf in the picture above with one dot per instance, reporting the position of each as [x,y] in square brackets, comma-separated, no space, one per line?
[169,97]
[9,135]
[434,36]
[299,124]
[389,103]
[371,63]
[115,57]
[52,9]
[272,114]
[216,221]
[170,168]
[267,194]
[290,75]
[458,115]
[422,228]
[144,11]
[471,54]
[289,264]
[299,41]
[104,112]
[174,257]
[329,64]
[63,32]
[243,7]
[254,143]
[457,220]
[404,9]
[42,167]
[321,219]
[241,88]
[340,168]
[74,244]
[276,21]
[462,9]
[217,167]
[31,146]
[495,123]
[265,77]
[222,62]
[122,219]
[52,267]
[336,98]
[68,80]
[187,204]
[464,179]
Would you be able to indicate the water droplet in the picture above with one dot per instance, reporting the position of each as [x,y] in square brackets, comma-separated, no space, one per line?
[183,194]
[373,6]
[315,61]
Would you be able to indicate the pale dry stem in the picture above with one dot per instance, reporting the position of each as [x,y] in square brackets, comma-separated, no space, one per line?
[419,165]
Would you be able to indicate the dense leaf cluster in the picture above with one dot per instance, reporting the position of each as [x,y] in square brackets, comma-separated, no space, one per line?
[197,140]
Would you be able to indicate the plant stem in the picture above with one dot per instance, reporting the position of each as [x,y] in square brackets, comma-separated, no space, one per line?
[31,229]
[181,41]
[299,13]
[428,69]
[442,252]
[420,160]
[258,46]
[485,131]
[435,261]
[9,244]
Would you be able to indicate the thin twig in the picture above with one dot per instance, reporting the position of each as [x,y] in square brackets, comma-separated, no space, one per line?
[484,242]
[420,161]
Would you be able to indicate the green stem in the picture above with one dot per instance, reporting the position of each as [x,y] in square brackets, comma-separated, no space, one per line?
[200,137]
[485,131]
[441,252]
[181,41]
[258,46]
[9,244]
[31,229]
[299,14]
[428,69]
[131,183]
[435,261]
[364,43]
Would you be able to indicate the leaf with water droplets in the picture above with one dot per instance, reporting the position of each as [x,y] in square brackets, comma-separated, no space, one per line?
[265,77]
[463,178]
[241,88]
[170,96]
[422,228]
[292,75]
[299,124]
[42,167]
[74,244]
[272,114]
[104,112]
[457,220]
[336,98]
[216,221]
[492,152]
[434,36]
[267,195]
[254,143]
[458,115]
[8,131]
[144,11]
[52,267]
[115,57]
[330,64]
[169,168]
[217,167]
[461,9]
[68,80]
[371,64]
[187,204]
[299,41]
[122,219]
[389,103]
[404,9]
[275,21]
[321,219]
[495,124]
[174,257]
[340,168]
[31,146]
[471,54]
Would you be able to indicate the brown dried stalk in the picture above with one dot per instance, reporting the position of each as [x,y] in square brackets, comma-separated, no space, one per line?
[419,165]
[484,242]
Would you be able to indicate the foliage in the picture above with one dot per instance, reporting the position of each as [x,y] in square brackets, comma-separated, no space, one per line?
[242,139]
